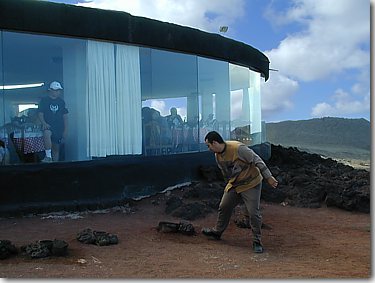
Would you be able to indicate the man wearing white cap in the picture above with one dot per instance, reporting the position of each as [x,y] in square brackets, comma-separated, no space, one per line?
[54,118]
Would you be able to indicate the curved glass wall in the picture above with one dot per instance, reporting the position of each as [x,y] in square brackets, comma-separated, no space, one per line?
[120,99]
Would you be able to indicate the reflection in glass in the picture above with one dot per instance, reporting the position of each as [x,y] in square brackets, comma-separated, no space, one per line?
[214,95]
[245,107]
[169,101]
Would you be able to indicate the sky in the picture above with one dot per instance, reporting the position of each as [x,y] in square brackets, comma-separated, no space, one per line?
[319,50]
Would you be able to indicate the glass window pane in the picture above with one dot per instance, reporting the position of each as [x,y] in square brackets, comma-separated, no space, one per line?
[245,105]
[255,108]
[169,101]
[31,62]
[214,97]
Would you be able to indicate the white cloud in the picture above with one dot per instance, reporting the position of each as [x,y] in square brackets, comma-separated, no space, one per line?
[182,112]
[334,37]
[343,104]
[323,109]
[331,42]
[207,15]
[277,94]
[160,106]
[164,110]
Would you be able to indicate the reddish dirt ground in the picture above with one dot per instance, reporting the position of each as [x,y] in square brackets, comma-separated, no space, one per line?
[302,243]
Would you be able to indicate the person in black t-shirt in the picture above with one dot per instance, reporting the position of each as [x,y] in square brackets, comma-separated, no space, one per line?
[53,115]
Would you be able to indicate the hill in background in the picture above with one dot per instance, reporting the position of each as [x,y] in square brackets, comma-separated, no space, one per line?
[338,138]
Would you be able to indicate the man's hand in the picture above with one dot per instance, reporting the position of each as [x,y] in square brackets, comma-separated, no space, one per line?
[272,182]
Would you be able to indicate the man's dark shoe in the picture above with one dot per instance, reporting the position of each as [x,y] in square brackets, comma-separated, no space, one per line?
[257,248]
[209,232]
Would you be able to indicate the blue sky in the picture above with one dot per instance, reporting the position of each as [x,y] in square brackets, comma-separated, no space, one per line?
[321,48]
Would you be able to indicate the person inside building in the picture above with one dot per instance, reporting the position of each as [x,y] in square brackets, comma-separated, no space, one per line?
[176,125]
[210,122]
[174,119]
[53,115]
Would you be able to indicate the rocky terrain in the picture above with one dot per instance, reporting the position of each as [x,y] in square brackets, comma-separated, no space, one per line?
[315,225]
[308,180]
[305,180]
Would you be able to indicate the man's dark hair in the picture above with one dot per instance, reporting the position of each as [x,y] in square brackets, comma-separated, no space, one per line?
[214,136]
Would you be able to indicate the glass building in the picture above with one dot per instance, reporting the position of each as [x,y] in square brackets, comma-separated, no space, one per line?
[120,94]
[141,95]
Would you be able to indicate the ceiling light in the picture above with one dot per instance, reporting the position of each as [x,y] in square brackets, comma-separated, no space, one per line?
[21,86]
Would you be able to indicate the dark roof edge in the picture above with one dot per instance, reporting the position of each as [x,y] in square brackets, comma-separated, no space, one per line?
[69,20]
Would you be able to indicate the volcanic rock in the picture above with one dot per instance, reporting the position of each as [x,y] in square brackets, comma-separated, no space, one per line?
[7,249]
[100,238]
